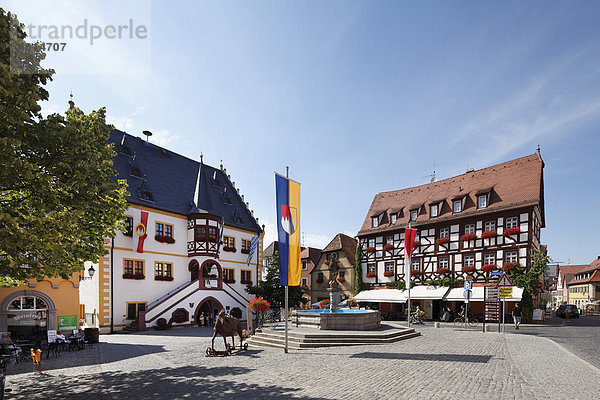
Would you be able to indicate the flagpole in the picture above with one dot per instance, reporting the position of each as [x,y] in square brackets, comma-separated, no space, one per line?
[285,349]
[409,267]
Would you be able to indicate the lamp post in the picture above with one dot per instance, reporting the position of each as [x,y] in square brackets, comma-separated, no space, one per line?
[91,272]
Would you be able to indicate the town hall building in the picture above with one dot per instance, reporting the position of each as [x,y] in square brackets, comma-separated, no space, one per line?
[188,248]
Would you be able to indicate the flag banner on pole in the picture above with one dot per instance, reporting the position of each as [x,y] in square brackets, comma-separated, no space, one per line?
[409,241]
[288,230]
[220,241]
[141,229]
[253,245]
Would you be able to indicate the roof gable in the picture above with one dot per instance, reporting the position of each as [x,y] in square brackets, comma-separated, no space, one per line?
[515,183]
[162,179]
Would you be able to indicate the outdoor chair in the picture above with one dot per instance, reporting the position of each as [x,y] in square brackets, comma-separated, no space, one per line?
[12,351]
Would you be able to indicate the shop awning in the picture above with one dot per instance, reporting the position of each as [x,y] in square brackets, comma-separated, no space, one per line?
[427,292]
[381,296]
[457,294]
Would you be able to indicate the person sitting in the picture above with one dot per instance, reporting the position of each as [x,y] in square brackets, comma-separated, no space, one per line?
[60,337]
[9,346]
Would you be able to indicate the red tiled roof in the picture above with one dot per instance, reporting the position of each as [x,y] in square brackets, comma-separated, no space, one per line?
[515,183]
[344,243]
[593,267]
[311,254]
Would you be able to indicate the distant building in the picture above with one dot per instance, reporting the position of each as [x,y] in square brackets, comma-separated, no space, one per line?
[268,255]
[186,248]
[309,258]
[566,273]
[584,288]
[343,249]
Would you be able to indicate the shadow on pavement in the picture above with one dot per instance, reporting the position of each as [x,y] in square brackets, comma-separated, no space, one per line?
[159,384]
[467,358]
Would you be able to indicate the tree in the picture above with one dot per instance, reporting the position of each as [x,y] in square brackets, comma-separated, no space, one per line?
[359,285]
[272,291]
[59,197]
[529,281]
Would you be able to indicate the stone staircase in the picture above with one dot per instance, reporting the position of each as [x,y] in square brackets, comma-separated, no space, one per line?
[308,339]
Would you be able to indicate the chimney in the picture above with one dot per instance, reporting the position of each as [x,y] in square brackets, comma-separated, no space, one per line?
[470,170]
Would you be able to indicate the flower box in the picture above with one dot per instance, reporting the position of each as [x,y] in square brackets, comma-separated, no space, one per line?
[341,279]
[469,269]
[370,249]
[245,251]
[415,272]
[229,280]
[351,302]
[489,234]
[324,303]
[164,239]
[388,247]
[510,266]
[489,268]
[259,304]
[468,236]
[443,240]
[512,231]
[388,273]
[163,278]
[133,276]
[327,262]
[442,271]
[228,248]
[246,282]
[370,274]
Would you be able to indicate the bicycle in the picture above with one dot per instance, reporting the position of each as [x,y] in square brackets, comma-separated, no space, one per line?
[460,321]
[416,320]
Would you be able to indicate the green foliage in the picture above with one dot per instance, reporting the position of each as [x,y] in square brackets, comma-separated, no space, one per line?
[400,285]
[528,280]
[359,285]
[58,198]
[272,291]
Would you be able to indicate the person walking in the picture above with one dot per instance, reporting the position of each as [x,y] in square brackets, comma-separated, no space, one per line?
[517,315]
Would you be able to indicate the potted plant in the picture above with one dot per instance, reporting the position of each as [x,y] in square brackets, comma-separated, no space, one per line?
[388,247]
[370,249]
[510,266]
[415,272]
[468,236]
[164,239]
[370,275]
[351,302]
[442,271]
[489,234]
[443,240]
[341,279]
[324,303]
[469,269]
[512,231]
[489,268]
[388,274]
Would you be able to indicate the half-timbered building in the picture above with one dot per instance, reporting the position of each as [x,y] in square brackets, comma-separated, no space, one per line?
[468,225]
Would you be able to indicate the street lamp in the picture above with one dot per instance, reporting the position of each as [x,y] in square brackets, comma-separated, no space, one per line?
[91,272]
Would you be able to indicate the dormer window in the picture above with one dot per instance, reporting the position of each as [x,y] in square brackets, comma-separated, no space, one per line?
[374,222]
[457,206]
[146,195]
[393,218]
[414,214]
[482,201]
[135,171]
[434,210]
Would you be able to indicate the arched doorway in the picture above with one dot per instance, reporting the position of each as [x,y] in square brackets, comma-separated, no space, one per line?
[210,307]
[194,269]
[211,276]
[27,313]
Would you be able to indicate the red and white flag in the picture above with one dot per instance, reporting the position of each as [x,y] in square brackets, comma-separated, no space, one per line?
[409,241]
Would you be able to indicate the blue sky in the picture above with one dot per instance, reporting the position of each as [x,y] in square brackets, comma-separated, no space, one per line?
[357,97]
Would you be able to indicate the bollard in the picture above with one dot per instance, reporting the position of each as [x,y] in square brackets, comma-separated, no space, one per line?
[36,357]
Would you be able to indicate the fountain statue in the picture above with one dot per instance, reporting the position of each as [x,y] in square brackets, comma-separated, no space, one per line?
[334,286]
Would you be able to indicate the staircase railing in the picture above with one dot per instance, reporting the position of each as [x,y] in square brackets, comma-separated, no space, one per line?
[162,298]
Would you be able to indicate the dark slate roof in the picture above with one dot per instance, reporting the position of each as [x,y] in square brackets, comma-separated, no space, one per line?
[167,181]
[270,250]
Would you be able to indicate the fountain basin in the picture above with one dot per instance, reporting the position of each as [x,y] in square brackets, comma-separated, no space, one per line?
[343,320]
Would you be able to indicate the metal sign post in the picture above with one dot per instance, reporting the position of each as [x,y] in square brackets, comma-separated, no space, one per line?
[504,286]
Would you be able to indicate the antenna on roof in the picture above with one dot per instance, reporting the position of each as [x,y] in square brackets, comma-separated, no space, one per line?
[148,134]
[538,149]
[432,176]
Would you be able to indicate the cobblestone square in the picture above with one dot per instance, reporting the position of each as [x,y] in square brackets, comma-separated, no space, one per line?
[442,363]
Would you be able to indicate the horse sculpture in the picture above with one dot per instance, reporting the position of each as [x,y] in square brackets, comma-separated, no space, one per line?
[227,325]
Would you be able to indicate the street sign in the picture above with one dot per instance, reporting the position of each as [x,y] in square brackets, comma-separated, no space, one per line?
[491,293]
[504,281]
[505,292]
[467,294]
[468,285]
[496,273]
[492,311]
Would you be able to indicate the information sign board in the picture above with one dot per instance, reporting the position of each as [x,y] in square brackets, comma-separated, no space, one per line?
[505,292]
[491,293]
[492,311]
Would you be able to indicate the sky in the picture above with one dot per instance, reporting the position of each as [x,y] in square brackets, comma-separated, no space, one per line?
[356,97]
